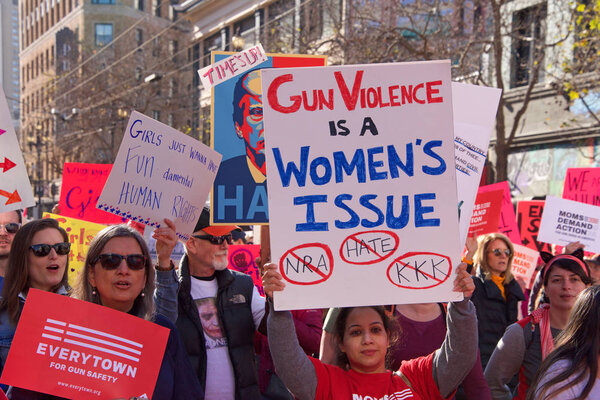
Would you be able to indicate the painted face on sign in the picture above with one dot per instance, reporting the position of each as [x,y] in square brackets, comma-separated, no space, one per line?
[248,117]
[209,318]
[47,271]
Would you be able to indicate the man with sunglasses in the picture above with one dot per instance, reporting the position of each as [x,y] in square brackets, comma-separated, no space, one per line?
[220,345]
[10,222]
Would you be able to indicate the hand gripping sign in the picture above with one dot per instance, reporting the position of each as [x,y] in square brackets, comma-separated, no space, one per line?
[362,184]
[79,350]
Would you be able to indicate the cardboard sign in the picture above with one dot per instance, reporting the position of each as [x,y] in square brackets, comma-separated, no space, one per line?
[79,350]
[524,263]
[232,66]
[241,258]
[565,221]
[507,224]
[80,190]
[15,190]
[239,195]
[362,193]
[80,234]
[474,110]
[582,185]
[529,217]
[486,212]
[159,173]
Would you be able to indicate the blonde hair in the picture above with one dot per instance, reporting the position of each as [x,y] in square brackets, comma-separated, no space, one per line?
[480,257]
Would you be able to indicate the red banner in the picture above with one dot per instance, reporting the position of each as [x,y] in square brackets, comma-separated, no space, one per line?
[79,350]
[241,258]
[486,212]
[81,187]
[507,224]
[582,185]
[529,217]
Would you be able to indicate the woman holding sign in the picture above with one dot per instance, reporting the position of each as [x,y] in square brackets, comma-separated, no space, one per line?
[38,259]
[497,293]
[364,335]
[118,274]
[526,343]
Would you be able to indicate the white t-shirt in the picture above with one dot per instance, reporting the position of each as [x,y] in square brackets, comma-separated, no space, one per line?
[575,390]
[220,380]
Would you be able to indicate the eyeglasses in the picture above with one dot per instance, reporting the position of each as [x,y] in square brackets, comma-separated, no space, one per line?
[216,239]
[112,261]
[11,227]
[42,250]
[498,252]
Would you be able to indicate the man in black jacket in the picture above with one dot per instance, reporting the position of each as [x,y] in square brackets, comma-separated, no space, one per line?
[219,312]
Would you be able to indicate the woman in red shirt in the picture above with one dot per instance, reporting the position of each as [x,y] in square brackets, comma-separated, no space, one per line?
[363,335]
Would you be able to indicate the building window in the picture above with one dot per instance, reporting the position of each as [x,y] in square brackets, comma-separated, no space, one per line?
[528,43]
[104,34]
[103,1]
[139,37]
[156,115]
[172,88]
[171,120]
[139,5]
[156,7]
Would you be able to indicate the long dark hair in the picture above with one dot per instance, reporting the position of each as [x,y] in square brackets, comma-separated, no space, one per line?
[17,273]
[579,344]
[389,324]
[143,306]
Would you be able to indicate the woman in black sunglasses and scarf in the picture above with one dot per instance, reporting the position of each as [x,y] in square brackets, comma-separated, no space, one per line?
[118,274]
[497,293]
[38,259]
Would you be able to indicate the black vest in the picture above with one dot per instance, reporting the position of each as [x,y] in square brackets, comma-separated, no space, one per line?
[234,298]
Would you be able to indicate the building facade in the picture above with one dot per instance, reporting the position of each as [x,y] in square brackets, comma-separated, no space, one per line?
[9,56]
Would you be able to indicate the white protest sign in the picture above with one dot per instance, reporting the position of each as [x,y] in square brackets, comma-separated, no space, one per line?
[159,173]
[474,118]
[15,189]
[524,263]
[362,185]
[565,221]
[238,63]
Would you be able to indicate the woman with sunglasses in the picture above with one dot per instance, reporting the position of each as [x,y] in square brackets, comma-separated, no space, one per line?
[364,336]
[526,343]
[38,259]
[118,274]
[497,293]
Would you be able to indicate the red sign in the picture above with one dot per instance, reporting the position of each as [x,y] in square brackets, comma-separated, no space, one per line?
[81,187]
[582,185]
[530,215]
[242,258]
[79,350]
[507,224]
[486,212]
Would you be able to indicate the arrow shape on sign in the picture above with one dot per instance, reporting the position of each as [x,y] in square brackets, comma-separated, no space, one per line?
[7,164]
[2,131]
[12,197]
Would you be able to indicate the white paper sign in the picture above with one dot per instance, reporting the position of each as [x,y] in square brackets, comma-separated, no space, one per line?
[362,185]
[232,66]
[565,221]
[524,263]
[15,189]
[474,118]
[159,173]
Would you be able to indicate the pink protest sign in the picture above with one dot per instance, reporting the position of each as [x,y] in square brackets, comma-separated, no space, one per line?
[507,224]
[241,258]
[486,212]
[524,263]
[582,185]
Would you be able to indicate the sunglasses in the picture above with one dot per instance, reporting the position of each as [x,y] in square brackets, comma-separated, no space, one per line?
[42,250]
[11,227]
[498,252]
[112,261]
[216,239]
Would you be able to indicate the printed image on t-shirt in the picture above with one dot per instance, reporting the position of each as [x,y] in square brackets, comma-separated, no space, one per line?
[207,310]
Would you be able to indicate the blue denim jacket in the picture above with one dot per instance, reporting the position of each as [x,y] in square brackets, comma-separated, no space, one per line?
[165,294]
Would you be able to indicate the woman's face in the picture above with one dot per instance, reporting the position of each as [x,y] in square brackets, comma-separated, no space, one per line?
[365,340]
[118,288]
[497,255]
[47,271]
[563,288]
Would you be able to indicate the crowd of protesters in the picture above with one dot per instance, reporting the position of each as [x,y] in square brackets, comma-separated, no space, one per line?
[227,342]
